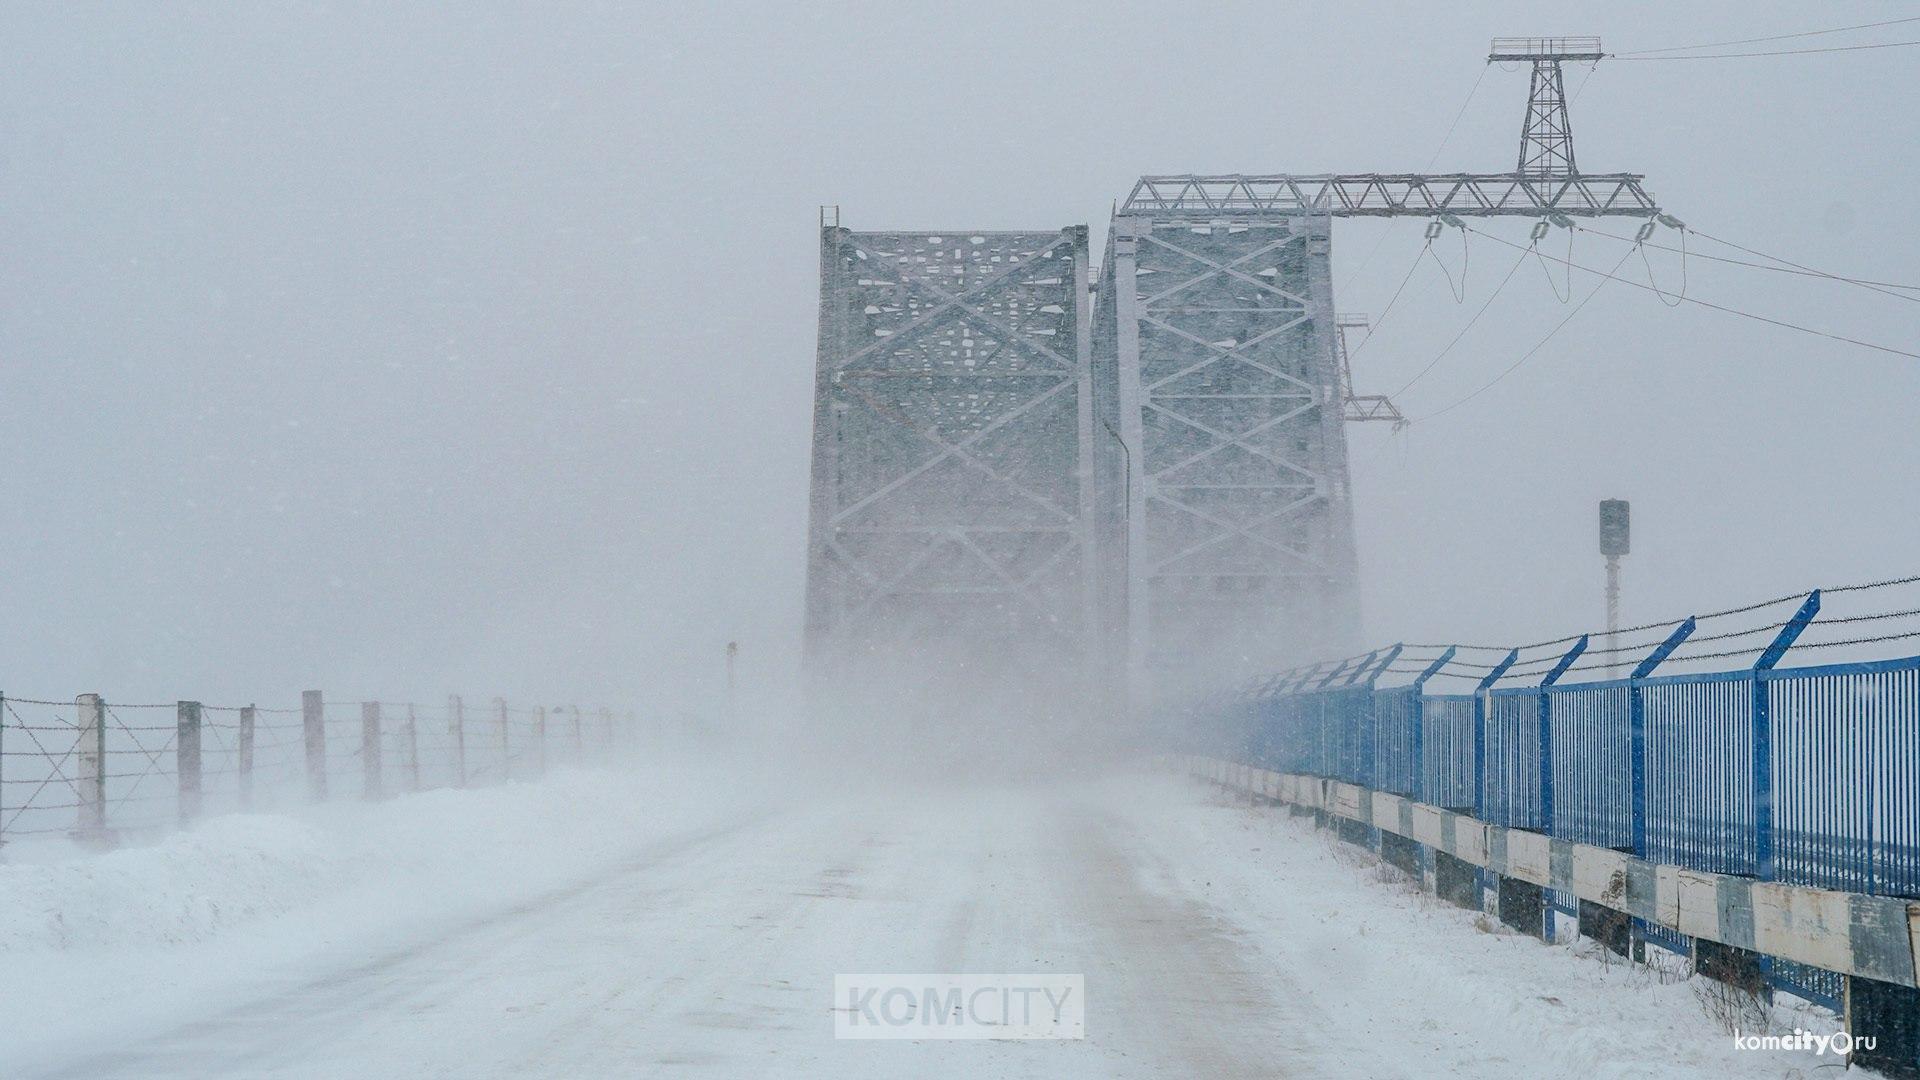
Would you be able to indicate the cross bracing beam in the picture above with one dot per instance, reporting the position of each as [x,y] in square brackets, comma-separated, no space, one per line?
[1394,195]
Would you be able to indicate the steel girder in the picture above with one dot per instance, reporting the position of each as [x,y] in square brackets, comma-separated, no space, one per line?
[952,421]
[1227,470]
[1396,195]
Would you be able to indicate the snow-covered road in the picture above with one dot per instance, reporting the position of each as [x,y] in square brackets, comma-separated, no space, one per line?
[1216,940]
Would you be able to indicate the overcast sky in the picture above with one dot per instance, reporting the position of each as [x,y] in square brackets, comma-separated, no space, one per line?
[396,349]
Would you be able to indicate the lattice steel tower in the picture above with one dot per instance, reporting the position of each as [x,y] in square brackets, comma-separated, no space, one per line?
[1226,465]
[951,520]
[1546,135]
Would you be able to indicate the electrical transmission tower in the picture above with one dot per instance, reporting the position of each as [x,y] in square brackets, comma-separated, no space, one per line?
[1546,137]
[1233,380]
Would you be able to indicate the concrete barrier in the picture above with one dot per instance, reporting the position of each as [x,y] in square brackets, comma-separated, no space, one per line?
[1872,940]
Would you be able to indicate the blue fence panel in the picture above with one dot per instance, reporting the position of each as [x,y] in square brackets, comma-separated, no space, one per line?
[1592,763]
[1347,714]
[1818,985]
[1283,747]
[1512,788]
[1842,769]
[1671,940]
[1446,722]
[1313,735]
[1699,768]
[1396,716]
[1846,776]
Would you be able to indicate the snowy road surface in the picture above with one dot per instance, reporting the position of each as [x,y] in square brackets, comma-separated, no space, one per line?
[1216,940]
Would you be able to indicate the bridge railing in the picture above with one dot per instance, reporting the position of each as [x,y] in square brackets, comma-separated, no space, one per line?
[1698,771]
[1845,771]
[1809,775]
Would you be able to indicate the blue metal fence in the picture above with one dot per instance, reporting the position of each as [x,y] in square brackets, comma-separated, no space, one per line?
[1395,717]
[1510,786]
[1809,775]
[1592,741]
[1446,774]
[1698,765]
[1846,775]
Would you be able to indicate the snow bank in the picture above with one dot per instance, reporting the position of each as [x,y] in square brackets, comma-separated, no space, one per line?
[241,901]
[1441,991]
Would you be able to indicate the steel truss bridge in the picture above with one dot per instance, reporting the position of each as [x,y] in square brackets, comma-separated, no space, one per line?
[1114,475]
[1021,465]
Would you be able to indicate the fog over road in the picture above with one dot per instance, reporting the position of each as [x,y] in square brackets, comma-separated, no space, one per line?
[1215,939]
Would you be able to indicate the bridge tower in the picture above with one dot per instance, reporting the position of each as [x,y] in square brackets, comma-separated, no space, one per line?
[951,519]
[1225,465]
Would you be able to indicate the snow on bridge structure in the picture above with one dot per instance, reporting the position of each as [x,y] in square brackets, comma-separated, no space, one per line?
[952,450]
[1137,487]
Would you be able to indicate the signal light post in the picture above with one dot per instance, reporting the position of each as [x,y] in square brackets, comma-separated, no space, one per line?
[1615,541]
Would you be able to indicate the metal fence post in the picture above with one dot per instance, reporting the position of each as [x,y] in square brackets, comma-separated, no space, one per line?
[313,725]
[457,733]
[1371,748]
[1480,732]
[413,749]
[1418,714]
[540,740]
[372,784]
[186,754]
[506,747]
[245,763]
[91,785]
[578,743]
[1637,727]
[1764,855]
[1546,732]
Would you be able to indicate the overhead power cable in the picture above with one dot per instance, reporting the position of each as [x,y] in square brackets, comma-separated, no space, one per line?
[1534,246]
[1395,298]
[1778,52]
[1456,118]
[1887,288]
[1876,285]
[1441,355]
[1774,37]
[1459,294]
[1538,345]
[1444,139]
[1610,275]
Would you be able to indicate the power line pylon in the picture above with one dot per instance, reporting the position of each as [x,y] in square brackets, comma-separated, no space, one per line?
[1546,136]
